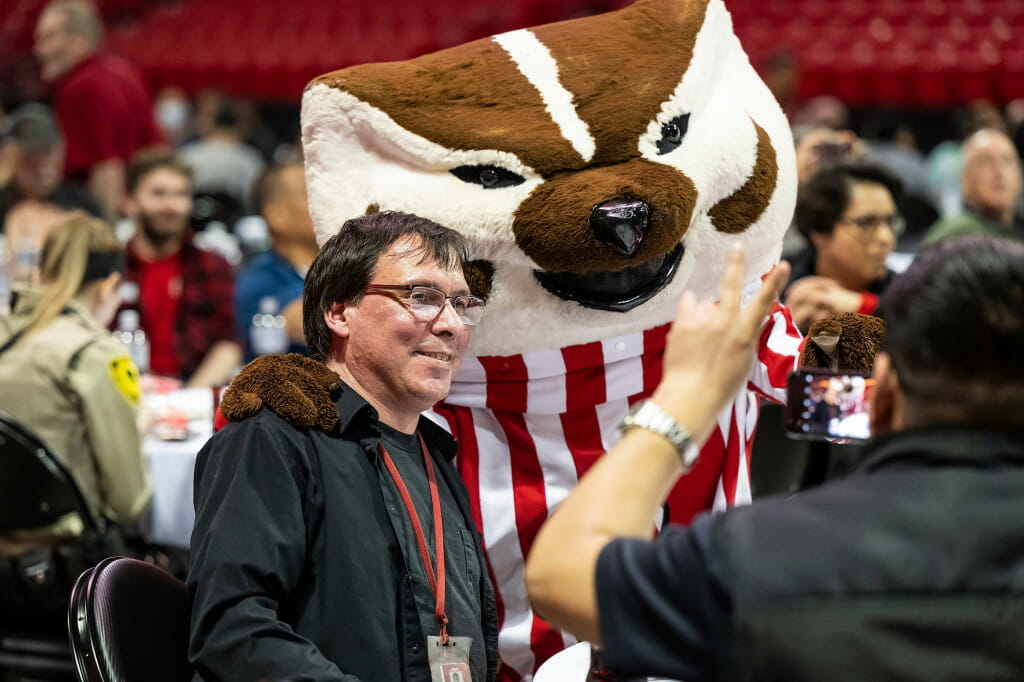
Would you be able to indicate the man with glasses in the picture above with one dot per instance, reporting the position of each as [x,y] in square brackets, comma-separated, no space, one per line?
[351,553]
[848,215]
[990,183]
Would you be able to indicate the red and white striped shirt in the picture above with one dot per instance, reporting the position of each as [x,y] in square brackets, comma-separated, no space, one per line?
[530,425]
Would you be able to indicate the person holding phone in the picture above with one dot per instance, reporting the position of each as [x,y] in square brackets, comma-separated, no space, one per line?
[848,214]
[907,569]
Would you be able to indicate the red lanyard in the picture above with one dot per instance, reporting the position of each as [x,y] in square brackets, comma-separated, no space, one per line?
[436,582]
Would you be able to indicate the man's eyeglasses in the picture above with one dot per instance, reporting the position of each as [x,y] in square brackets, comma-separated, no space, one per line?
[868,224]
[426,302]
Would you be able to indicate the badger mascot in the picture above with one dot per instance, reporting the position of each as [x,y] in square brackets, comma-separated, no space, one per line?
[598,167]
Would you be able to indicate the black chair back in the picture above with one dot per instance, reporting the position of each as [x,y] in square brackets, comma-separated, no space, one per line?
[36,489]
[128,622]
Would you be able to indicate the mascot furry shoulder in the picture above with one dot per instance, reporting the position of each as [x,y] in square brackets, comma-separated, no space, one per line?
[598,167]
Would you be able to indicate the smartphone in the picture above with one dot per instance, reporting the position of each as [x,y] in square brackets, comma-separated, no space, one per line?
[832,153]
[826,405]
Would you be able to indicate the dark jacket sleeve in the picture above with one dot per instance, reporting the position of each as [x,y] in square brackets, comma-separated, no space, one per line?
[663,607]
[248,554]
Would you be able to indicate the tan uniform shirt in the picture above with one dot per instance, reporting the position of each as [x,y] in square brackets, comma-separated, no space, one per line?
[78,390]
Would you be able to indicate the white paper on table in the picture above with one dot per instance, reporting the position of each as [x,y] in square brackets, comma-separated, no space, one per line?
[570,665]
[193,403]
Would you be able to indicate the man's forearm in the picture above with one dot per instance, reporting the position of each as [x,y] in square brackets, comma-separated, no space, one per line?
[217,366]
[106,182]
[619,497]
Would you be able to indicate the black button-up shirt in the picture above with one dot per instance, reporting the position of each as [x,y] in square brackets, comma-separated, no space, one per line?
[300,569]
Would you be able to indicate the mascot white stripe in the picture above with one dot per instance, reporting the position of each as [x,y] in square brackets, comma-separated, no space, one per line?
[547,386]
[502,543]
[534,61]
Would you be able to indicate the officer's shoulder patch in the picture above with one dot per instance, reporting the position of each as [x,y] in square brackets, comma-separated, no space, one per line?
[125,375]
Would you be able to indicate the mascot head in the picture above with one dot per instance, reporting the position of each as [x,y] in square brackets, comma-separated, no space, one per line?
[599,167]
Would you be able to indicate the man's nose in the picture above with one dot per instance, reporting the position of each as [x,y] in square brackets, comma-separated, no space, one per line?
[448,317]
[886,235]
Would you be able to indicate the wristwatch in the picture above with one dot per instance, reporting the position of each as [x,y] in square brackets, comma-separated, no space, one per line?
[649,416]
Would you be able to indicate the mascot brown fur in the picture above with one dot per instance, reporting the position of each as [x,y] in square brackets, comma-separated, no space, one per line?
[598,168]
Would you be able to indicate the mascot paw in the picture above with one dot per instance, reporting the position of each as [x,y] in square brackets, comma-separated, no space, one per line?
[846,342]
[294,387]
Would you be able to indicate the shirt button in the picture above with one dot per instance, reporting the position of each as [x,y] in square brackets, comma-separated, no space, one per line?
[415,648]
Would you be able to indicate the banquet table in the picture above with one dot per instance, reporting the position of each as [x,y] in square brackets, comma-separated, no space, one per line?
[172,461]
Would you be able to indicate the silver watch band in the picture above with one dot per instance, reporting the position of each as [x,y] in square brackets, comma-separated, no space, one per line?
[648,415]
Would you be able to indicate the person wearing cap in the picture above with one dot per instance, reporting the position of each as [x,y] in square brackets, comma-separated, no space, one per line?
[63,376]
[37,148]
[101,101]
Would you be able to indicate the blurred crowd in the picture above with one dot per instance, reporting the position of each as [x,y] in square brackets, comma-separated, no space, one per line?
[143,242]
[180,222]
[209,204]
[869,197]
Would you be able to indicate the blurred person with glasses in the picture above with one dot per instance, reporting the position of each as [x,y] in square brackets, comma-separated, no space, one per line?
[990,184]
[848,215]
[349,551]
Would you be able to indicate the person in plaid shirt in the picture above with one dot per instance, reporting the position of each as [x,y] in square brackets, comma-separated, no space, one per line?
[185,293]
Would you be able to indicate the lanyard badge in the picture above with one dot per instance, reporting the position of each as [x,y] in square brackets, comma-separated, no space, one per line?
[448,656]
[449,662]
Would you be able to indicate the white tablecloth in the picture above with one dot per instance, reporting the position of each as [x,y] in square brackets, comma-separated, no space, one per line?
[570,665]
[172,463]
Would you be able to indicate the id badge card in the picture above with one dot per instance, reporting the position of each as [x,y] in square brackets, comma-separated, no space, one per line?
[449,662]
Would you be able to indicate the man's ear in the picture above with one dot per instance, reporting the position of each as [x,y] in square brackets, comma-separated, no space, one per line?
[274,214]
[887,402]
[337,318]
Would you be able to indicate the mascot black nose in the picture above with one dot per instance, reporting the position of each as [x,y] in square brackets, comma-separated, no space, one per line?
[621,224]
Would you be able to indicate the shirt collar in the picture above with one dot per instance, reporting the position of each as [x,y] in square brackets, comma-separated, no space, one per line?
[356,417]
[944,446]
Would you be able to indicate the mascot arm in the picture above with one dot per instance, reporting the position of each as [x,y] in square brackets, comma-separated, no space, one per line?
[294,387]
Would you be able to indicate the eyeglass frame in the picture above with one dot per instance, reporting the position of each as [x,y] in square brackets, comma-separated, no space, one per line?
[389,289]
[894,221]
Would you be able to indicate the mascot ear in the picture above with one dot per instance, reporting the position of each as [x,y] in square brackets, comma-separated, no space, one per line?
[847,342]
[294,387]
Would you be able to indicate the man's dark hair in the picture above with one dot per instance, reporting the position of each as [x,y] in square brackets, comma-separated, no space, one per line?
[148,160]
[345,264]
[825,196]
[955,332]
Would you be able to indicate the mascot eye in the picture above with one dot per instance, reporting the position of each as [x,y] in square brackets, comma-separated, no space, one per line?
[672,133]
[490,177]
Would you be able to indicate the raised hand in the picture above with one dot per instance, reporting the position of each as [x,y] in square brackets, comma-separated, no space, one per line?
[711,346]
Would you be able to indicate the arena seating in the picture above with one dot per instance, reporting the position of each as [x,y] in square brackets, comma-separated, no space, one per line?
[887,52]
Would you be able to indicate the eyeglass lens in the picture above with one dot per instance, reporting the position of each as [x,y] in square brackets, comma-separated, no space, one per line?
[872,222]
[428,301]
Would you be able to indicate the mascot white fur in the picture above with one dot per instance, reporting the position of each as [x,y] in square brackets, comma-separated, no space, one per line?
[599,167]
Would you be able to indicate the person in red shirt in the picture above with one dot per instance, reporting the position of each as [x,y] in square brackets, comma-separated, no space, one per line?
[186,293]
[100,99]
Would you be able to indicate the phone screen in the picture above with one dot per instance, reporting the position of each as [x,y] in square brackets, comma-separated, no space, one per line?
[824,405]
